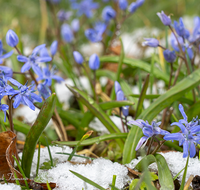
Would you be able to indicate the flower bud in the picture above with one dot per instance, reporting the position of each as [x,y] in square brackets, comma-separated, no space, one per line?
[94,62]
[132,7]
[67,33]
[54,47]
[108,13]
[120,95]
[152,42]
[164,18]
[123,4]
[78,57]
[75,25]
[117,87]
[12,38]
[169,56]
[180,28]
[125,110]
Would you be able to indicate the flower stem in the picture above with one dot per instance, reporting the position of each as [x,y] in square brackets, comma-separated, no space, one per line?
[122,120]
[10,114]
[150,144]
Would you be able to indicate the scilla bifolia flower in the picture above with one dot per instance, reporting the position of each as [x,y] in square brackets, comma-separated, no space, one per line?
[164,18]
[180,28]
[67,33]
[12,38]
[78,57]
[24,95]
[151,42]
[148,130]
[188,135]
[4,108]
[33,60]
[94,62]
[132,7]
[170,56]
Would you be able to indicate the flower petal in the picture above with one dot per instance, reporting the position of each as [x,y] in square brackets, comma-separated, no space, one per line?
[43,59]
[192,150]
[16,83]
[185,149]
[22,58]
[141,141]
[36,97]
[182,112]
[37,49]
[26,67]
[7,55]
[17,101]
[28,103]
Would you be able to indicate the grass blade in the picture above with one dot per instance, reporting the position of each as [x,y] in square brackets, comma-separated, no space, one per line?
[184,174]
[87,180]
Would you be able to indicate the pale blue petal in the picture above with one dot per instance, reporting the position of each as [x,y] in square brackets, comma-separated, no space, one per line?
[36,97]
[182,112]
[57,78]
[37,49]
[141,141]
[37,70]
[16,83]
[181,126]
[192,150]
[26,67]
[147,132]
[43,59]
[22,58]
[28,103]
[185,149]
[17,101]
[173,136]
[6,55]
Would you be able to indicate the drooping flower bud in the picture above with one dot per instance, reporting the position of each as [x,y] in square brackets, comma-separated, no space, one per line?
[120,95]
[78,57]
[12,38]
[151,42]
[94,62]
[75,25]
[164,18]
[132,7]
[67,33]
[170,56]
[54,47]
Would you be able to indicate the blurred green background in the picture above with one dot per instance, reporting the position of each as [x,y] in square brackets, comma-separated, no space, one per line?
[25,15]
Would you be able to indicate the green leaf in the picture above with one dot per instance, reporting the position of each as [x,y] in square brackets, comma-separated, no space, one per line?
[114,104]
[87,180]
[36,130]
[146,161]
[164,174]
[193,111]
[93,140]
[142,97]
[135,63]
[97,111]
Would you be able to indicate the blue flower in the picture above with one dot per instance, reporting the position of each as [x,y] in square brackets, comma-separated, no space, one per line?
[140,2]
[132,7]
[67,33]
[188,136]
[108,13]
[48,75]
[6,71]
[1,53]
[63,15]
[170,56]
[180,28]
[148,130]
[164,18]
[44,90]
[78,57]
[24,95]
[174,42]
[85,7]
[123,4]
[125,109]
[151,42]
[33,60]
[12,38]
[4,108]
[54,47]
[75,25]
[5,88]
[95,35]
[94,62]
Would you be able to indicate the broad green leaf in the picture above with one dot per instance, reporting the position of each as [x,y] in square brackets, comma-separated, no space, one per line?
[193,111]
[93,140]
[97,111]
[130,144]
[146,161]
[134,63]
[114,104]
[87,180]
[164,174]
[142,97]
[36,130]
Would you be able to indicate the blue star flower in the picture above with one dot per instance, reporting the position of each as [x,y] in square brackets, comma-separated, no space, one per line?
[4,108]
[5,55]
[24,95]
[5,88]
[188,136]
[148,130]
[85,7]
[33,60]
[48,75]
